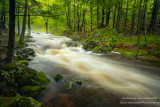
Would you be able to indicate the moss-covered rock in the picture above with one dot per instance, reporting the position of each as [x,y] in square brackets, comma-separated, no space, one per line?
[32,82]
[42,78]
[32,91]
[25,62]
[58,77]
[19,101]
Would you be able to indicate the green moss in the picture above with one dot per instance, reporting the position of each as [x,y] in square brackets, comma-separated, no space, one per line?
[27,102]
[34,83]
[42,78]
[7,101]
[58,77]
[32,91]
[25,62]
[70,84]
[31,72]
[19,101]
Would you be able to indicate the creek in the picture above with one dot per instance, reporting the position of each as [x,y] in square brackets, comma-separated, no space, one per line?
[110,80]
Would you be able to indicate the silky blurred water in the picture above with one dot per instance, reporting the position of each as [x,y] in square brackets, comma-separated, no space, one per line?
[108,77]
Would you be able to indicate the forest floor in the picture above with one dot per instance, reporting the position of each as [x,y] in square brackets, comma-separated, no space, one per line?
[108,39]
[19,84]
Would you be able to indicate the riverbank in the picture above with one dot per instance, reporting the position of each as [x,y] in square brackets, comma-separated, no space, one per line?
[19,84]
[108,39]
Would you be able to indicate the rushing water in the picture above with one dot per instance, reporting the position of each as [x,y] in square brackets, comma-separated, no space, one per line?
[109,78]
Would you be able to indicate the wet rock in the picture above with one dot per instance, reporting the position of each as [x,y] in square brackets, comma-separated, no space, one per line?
[58,77]
[90,45]
[73,44]
[42,78]
[69,86]
[32,91]
[24,54]
[28,51]
[19,101]
[80,83]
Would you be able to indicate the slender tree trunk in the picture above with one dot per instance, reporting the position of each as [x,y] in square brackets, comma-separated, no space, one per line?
[83,20]
[74,14]
[133,17]
[78,18]
[21,41]
[3,16]
[108,16]
[114,16]
[47,26]
[91,13]
[29,26]
[139,20]
[139,17]
[11,30]
[97,17]
[118,16]
[18,22]
[126,17]
[145,25]
[154,15]
[102,23]
[69,16]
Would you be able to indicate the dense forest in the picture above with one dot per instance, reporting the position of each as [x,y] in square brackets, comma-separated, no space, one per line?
[130,28]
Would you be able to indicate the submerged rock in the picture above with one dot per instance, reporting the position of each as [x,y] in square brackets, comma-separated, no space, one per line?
[19,101]
[80,82]
[58,77]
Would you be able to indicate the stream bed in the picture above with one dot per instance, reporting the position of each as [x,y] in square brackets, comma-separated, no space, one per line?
[109,80]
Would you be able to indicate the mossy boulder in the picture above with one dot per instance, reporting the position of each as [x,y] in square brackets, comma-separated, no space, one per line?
[32,91]
[24,54]
[58,77]
[32,82]
[42,78]
[29,51]
[25,62]
[19,101]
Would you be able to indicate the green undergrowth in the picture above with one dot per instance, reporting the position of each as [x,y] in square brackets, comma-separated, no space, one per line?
[105,40]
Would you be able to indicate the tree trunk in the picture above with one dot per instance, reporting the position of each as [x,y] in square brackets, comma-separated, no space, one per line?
[133,17]
[21,41]
[83,20]
[139,17]
[3,16]
[29,26]
[139,21]
[47,26]
[114,16]
[145,25]
[107,16]
[97,17]
[74,14]
[18,22]
[126,17]
[102,23]
[91,13]
[154,15]
[11,30]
